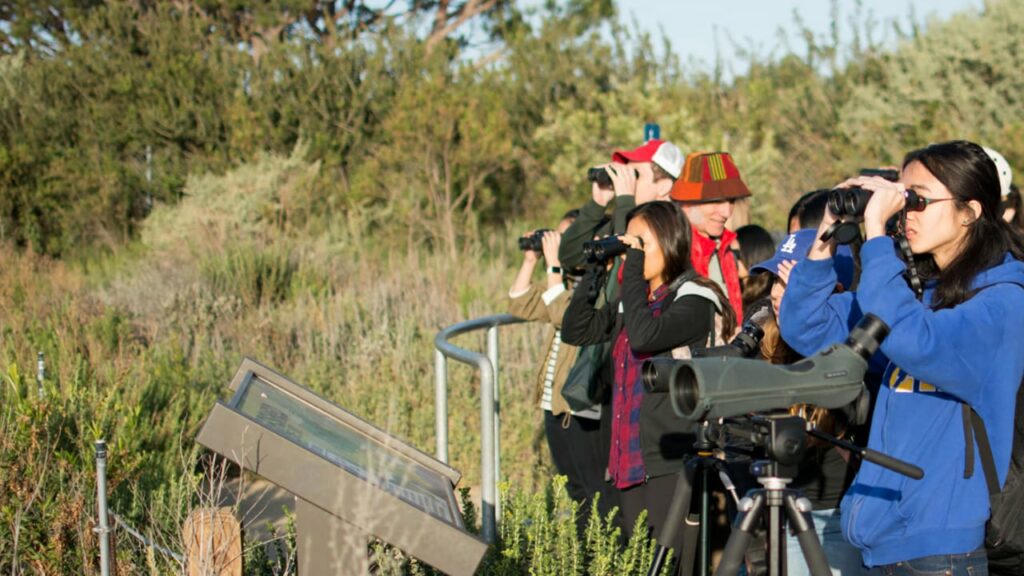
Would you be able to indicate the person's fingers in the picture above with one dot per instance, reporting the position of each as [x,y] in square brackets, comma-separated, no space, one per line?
[632,241]
[886,200]
[616,171]
[785,268]
[551,239]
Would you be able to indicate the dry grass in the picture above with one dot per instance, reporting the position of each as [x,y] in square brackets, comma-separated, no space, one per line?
[139,344]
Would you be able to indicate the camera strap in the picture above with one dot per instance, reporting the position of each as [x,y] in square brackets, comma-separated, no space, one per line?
[901,238]
[597,280]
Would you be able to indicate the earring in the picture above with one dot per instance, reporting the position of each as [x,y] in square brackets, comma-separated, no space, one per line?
[966,222]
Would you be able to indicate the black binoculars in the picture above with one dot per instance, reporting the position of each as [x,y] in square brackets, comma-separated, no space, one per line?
[851,202]
[602,178]
[533,241]
[605,249]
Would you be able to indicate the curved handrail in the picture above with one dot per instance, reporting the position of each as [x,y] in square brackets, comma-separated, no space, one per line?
[490,452]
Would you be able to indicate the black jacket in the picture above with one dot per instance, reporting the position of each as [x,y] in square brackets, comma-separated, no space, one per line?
[664,437]
[591,222]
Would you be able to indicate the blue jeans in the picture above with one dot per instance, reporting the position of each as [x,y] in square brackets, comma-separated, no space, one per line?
[843,558]
[970,564]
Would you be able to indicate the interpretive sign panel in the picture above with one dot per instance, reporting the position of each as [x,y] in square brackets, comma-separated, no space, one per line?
[345,468]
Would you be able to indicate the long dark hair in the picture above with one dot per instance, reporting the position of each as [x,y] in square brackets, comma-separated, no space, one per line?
[672,229]
[969,174]
[756,245]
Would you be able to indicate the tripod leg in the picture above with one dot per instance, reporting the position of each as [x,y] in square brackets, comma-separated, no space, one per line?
[678,510]
[799,514]
[688,554]
[775,554]
[705,517]
[750,510]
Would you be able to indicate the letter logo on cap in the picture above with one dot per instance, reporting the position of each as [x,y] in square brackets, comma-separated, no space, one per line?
[789,246]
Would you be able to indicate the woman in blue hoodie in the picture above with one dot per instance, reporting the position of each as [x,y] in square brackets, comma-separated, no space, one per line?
[960,343]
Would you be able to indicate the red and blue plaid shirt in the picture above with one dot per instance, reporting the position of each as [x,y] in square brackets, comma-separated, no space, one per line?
[626,462]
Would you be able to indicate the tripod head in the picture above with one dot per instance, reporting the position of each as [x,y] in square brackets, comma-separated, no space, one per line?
[783,439]
[780,437]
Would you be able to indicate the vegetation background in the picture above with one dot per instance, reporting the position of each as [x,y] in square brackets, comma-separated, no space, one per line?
[324,185]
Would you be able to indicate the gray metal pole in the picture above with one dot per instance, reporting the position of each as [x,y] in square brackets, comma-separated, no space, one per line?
[492,354]
[441,405]
[101,499]
[487,482]
[489,408]
[40,373]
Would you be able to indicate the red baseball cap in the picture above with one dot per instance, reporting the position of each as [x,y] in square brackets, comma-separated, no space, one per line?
[665,154]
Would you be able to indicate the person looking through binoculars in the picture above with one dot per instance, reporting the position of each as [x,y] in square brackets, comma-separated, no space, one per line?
[663,307]
[574,438]
[956,346]
[633,178]
[826,471]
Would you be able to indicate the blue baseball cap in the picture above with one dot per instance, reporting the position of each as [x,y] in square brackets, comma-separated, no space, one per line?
[796,246]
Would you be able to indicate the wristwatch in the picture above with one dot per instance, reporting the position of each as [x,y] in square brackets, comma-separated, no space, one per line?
[554,269]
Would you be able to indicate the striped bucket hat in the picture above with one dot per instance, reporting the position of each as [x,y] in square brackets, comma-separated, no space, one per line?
[709,177]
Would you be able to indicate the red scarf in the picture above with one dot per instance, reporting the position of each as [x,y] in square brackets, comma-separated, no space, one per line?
[701,250]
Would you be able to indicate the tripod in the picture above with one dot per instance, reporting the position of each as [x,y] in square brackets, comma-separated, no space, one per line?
[783,439]
[696,470]
[776,500]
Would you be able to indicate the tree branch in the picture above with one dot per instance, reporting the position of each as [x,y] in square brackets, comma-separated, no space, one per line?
[465,12]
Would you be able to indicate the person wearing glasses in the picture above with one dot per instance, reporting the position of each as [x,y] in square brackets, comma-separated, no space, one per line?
[955,346]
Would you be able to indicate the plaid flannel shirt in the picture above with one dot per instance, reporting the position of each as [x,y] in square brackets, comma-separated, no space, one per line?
[625,461]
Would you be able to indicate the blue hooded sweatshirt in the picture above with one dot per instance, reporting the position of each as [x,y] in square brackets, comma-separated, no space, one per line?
[933,360]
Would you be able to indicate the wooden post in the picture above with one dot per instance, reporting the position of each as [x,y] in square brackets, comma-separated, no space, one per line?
[213,543]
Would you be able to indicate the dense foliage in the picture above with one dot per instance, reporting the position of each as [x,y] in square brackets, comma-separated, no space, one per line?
[185,183]
[426,141]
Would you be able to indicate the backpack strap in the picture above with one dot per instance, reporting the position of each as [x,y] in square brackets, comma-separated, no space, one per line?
[711,333]
[968,440]
[694,289]
[690,288]
[973,423]
[988,463]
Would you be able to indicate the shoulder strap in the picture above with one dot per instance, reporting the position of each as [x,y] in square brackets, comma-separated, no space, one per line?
[694,289]
[968,439]
[711,333]
[689,288]
[974,425]
[682,279]
[988,464]
[974,428]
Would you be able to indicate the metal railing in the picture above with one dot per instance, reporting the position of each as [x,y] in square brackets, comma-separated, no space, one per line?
[490,407]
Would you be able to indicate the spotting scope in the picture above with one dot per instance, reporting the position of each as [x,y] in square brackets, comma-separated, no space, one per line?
[722,387]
